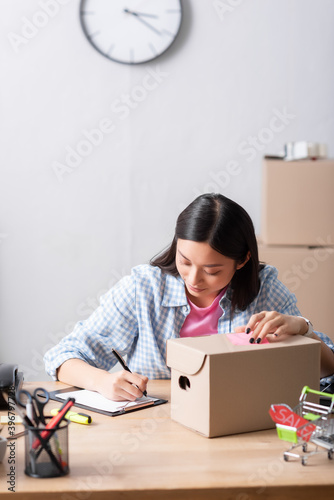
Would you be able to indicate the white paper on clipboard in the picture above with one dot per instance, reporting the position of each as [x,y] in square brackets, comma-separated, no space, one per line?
[96,400]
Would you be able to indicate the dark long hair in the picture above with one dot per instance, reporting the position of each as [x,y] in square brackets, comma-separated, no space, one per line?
[228,229]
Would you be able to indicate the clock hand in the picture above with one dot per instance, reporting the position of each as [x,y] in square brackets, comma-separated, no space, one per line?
[137,16]
[140,13]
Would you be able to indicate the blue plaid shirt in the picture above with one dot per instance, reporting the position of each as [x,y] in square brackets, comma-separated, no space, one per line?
[145,309]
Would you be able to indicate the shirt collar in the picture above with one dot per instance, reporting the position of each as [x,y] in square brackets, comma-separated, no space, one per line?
[174,293]
[228,294]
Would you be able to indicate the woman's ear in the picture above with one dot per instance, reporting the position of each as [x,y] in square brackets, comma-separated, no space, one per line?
[248,256]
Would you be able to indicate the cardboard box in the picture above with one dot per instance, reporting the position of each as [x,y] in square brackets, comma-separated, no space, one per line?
[298,202]
[218,388]
[309,274]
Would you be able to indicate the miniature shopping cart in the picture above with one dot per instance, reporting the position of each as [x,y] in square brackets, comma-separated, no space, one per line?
[309,426]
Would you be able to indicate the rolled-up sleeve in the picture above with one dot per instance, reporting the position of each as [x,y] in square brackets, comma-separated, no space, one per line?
[112,325]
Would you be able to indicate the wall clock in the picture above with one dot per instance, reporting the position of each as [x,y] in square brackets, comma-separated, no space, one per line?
[131,31]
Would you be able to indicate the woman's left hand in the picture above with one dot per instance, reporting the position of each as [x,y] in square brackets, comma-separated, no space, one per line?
[273,325]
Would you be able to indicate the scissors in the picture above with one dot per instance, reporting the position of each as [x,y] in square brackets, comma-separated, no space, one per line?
[34,404]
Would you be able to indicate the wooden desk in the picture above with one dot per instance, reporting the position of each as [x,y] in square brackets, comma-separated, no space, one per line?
[145,456]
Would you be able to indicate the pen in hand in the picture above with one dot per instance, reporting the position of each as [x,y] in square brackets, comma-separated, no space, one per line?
[124,366]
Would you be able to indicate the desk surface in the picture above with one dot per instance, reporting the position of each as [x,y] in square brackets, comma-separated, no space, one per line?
[145,455]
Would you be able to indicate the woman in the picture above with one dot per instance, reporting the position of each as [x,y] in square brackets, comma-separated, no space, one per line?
[208,281]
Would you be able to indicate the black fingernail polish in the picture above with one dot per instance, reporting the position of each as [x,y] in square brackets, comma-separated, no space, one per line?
[258,340]
[248,330]
[251,340]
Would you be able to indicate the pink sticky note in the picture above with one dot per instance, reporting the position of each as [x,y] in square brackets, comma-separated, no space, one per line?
[243,339]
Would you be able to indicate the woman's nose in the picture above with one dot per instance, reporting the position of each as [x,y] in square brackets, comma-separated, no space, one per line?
[194,276]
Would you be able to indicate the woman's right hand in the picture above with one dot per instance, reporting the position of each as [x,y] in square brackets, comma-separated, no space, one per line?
[121,385]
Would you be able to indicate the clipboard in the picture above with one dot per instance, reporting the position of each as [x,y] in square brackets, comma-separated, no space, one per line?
[104,404]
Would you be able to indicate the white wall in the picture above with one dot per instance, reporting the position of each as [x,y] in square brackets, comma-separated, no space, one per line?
[63,241]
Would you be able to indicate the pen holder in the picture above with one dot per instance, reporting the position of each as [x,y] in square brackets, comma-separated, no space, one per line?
[46,450]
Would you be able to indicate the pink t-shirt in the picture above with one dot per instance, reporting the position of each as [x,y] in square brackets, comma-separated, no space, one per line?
[202,320]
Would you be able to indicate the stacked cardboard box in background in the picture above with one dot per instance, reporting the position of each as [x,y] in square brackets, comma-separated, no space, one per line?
[297,233]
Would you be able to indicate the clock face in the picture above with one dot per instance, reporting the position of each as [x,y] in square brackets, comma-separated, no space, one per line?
[131,31]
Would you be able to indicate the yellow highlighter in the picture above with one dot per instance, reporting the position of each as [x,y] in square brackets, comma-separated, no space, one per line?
[78,418]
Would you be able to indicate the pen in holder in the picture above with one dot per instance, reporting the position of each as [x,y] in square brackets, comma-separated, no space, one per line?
[46,451]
